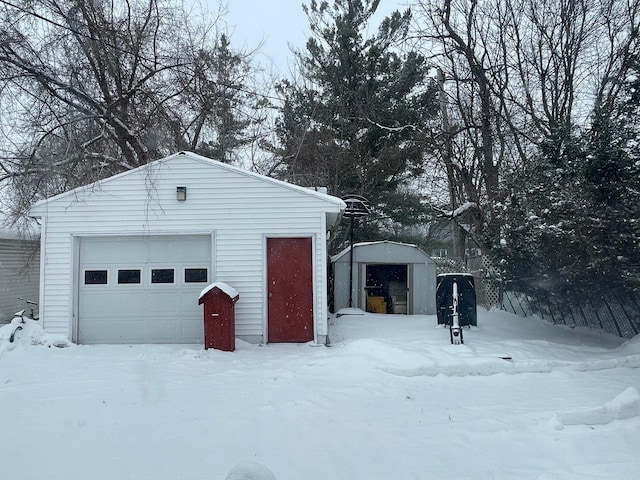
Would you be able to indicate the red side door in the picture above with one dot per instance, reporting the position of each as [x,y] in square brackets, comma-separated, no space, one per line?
[289,290]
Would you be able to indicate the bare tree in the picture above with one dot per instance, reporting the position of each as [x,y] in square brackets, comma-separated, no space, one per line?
[471,160]
[93,87]
[520,77]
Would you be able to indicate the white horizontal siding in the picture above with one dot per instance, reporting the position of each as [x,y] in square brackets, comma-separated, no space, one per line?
[19,274]
[241,210]
[56,270]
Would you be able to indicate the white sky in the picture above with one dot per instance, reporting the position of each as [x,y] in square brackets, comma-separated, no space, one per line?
[277,25]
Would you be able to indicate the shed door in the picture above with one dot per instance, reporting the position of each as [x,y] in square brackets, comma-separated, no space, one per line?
[289,289]
[387,288]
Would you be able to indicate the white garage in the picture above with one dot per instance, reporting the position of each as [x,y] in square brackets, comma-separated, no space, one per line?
[124,260]
[135,289]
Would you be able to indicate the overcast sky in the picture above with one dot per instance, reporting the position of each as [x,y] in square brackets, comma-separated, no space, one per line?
[277,24]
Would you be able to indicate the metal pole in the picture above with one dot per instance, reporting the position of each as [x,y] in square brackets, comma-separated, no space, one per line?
[351,265]
[357,206]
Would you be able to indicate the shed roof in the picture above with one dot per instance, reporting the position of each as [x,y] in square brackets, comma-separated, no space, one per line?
[384,252]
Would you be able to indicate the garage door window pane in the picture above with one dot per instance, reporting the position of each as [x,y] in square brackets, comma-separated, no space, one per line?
[162,275]
[128,276]
[195,275]
[95,277]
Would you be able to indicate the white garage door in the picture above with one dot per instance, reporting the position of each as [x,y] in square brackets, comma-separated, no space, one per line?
[142,289]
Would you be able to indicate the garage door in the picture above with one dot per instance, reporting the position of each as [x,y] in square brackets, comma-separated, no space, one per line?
[142,289]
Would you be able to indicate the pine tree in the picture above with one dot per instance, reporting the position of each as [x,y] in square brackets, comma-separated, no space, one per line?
[611,177]
[356,122]
[572,226]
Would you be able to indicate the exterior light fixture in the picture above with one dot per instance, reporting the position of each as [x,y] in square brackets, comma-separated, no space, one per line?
[181,194]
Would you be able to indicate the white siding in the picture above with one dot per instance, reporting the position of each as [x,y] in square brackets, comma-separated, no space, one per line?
[19,273]
[240,209]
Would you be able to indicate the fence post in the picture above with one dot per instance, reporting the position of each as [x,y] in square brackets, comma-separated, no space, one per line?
[613,317]
[629,318]
[573,317]
[596,312]
[635,303]
[584,317]
[524,312]
[553,319]
[536,308]
[506,294]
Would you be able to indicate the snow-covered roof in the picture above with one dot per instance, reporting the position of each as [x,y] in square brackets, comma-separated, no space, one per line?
[227,289]
[461,210]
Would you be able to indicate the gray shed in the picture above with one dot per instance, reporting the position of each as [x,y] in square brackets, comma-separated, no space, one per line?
[388,277]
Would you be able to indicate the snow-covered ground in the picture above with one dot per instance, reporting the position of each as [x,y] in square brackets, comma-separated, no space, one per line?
[390,399]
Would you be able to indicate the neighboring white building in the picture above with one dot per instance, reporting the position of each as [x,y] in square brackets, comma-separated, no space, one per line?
[19,270]
[124,260]
[387,277]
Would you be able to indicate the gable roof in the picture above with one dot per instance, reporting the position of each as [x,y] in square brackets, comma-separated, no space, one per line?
[37,208]
[409,250]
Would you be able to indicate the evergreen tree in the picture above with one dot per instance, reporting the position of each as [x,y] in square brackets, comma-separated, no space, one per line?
[356,121]
[572,225]
[611,178]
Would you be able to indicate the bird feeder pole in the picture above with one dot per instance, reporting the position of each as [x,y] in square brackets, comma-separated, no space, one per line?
[357,207]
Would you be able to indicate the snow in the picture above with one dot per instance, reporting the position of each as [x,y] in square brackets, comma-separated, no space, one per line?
[465,207]
[624,406]
[391,398]
[28,332]
[349,311]
[250,471]
[228,289]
